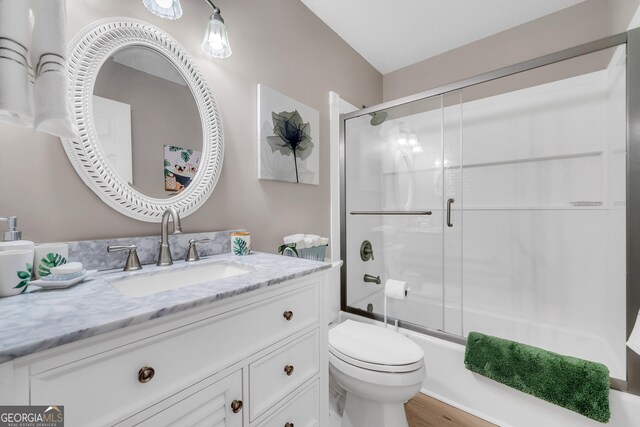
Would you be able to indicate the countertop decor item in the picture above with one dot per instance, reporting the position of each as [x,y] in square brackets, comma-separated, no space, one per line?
[288,139]
[579,385]
[15,271]
[241,243]
[70,268]
[12,238]
[62,282]
[48,256]
[308,246]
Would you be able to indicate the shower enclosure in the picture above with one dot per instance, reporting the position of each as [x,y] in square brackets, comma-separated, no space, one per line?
[502,202]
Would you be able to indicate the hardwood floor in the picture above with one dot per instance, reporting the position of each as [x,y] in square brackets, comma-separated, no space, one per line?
[425,411]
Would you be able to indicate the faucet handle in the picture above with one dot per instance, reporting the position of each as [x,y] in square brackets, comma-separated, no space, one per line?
[192,252]
[133,262]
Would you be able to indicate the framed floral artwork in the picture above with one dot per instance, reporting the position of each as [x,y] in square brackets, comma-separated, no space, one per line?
[288,139]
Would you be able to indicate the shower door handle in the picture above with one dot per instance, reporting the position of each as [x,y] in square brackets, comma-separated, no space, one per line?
[449,203]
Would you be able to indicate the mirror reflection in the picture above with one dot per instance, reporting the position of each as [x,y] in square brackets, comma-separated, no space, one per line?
[147,121]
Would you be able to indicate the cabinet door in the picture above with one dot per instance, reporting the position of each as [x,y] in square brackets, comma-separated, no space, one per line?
[217,405]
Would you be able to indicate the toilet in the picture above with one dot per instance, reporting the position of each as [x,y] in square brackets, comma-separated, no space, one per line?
[379,370]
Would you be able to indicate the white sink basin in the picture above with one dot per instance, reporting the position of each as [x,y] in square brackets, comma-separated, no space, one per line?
[139,285]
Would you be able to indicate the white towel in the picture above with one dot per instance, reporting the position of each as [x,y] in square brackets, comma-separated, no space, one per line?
[294,238]
[304,241]
[16,76]
[311,240]
[48,56]
[33,81]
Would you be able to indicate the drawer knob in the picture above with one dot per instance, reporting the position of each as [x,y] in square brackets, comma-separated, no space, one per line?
[236,406]
[289,425]
[288,370]
[145,374]
[288,314]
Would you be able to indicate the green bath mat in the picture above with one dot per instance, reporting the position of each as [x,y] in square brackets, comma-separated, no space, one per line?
[575,384]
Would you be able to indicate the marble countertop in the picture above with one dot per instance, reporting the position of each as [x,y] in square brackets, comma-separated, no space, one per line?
[42,319]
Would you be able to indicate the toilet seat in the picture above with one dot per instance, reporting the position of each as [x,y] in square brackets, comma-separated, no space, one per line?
[374,348]
[374,366]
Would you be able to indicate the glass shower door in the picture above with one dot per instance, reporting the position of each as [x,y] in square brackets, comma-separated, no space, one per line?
[399,174]
[545,208]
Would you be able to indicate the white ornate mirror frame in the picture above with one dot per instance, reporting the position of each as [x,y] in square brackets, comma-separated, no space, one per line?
[87,52]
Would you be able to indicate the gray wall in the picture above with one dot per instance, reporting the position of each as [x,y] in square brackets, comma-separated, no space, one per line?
[279,43]
[582,23]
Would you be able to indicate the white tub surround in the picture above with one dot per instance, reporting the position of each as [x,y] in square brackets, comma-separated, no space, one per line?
[246,350]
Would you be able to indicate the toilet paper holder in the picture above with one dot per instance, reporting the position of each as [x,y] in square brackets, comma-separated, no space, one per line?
[395,289]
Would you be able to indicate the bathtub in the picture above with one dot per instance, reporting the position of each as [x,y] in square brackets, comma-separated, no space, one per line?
[448,380]
[574,341]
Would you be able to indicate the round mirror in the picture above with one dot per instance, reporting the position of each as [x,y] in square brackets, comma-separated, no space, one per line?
[150,132]
[147,122]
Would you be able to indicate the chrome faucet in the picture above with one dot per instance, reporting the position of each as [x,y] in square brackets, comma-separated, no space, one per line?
[164,256]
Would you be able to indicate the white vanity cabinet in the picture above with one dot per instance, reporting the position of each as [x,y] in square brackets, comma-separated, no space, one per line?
[255,359]
[218,404]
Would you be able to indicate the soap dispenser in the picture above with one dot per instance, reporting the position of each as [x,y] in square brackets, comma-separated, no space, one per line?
[12,239]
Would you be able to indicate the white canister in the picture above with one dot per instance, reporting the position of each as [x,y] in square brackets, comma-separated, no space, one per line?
[17,245]
[49,255]
[15,271]
[240,243]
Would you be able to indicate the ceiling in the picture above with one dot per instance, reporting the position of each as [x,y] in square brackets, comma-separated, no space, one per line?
[394,34]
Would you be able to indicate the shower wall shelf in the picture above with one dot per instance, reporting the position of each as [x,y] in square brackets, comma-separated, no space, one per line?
[535,208]
[507,162]
[534,159]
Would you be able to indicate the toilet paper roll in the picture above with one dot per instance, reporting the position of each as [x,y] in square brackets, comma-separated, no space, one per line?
[395,289]
[634,338]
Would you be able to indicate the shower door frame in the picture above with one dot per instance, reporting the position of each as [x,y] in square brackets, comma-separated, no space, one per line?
[632,41]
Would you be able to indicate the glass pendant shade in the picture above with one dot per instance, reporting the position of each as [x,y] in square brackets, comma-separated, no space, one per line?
[216,38]
[166,9]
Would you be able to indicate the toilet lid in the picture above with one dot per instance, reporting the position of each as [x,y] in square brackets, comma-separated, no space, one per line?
[374,346]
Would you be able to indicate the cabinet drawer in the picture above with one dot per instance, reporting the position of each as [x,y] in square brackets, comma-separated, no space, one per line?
[276,375]
[302,411]
[179,358]
[211,406]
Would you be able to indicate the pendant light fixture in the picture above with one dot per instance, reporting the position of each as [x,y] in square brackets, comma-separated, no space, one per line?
[216,38]
[166,9]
